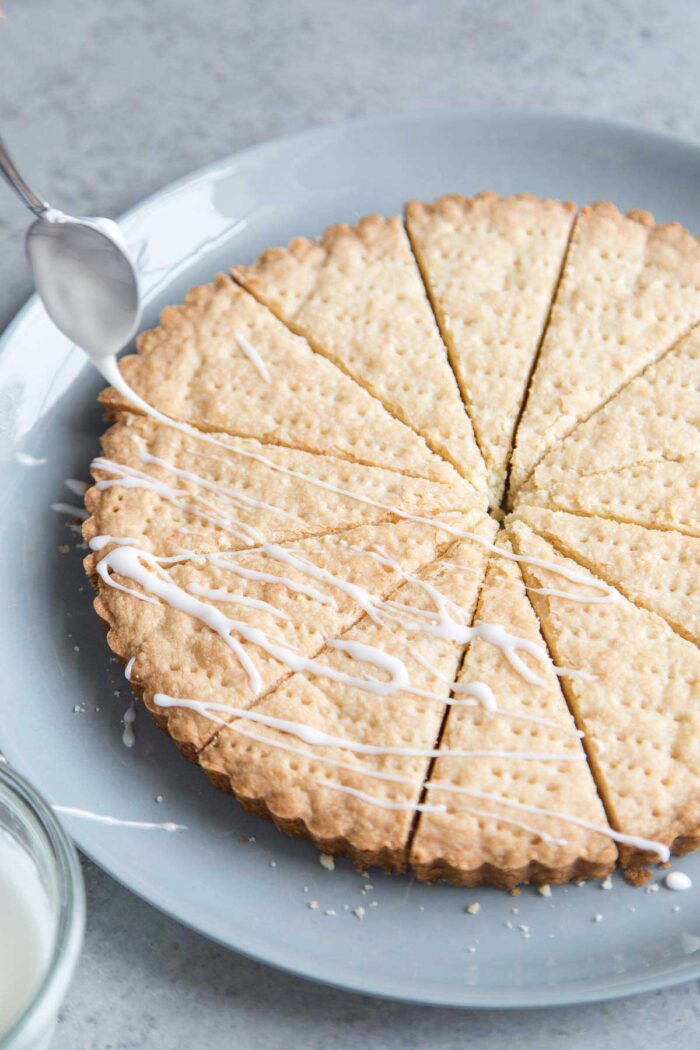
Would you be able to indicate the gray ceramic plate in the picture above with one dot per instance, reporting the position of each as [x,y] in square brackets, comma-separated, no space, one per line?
[60,720]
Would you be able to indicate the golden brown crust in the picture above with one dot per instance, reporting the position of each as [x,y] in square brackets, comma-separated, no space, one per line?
[637,876]
[505,878]
[455,205]
[296,827]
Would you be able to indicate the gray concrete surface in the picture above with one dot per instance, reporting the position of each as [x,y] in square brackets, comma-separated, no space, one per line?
[104,102]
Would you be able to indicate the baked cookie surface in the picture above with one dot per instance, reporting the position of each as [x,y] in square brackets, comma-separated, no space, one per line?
[358,297]
[305,571]
[491,265]
[629,291]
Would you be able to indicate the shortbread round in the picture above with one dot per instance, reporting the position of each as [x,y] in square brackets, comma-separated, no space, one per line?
[412,565]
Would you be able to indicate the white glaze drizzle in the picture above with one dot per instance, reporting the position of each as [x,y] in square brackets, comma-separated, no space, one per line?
[78,488]
[110,370]
[225,493]
[71,510]
[479,691]
[311,735]
[253,356]
[636,841]
[368,602]
[485,697]
[218,594]
[98,543]
[430,807]
[518,716]
[385,803]
[129,736]
[190,503]
[588,599]
[573,672]
[222,561]
[483,814]
[145,569]
[617,836]
[678,880]
[26,460]
[490,632]
[101,818]
[446,622]
[447,626]
[376,774]
[129,668]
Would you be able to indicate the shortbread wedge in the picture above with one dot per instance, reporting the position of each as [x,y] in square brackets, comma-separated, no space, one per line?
[227,627]
[358,297]
[629,291]
[659,570]
[224,362]
[638,458]
[171,491]
[640,714]
[660,494]
[353,788]
[498,826]
[491,266]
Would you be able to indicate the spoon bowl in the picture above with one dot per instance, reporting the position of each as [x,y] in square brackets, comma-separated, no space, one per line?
[86,280]
[82,271]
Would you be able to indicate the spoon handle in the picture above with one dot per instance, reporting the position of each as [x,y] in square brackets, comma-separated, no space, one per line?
[15,180]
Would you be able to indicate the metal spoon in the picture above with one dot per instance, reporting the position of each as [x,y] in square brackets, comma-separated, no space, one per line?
[82,272]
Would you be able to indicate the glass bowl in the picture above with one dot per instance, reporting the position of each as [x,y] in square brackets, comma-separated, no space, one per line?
[32,823]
